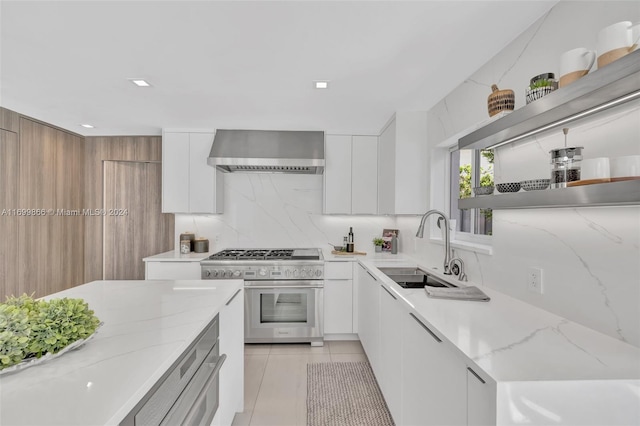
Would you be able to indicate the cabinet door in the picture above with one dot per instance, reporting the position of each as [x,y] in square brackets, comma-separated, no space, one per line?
[434,379]
[390,375]
[232,372]
[481,398]
[387,169]
[204,196]
[369,316]
[364,175]
[338,306]
[337,174]
[175,172]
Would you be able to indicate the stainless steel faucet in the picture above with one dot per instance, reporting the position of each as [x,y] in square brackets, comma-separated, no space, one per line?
[447,243]
[460,268]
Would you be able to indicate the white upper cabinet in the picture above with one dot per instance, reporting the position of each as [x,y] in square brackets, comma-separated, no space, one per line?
[403,165]
[189,184]
[364,175]
[337,174]
[350,174]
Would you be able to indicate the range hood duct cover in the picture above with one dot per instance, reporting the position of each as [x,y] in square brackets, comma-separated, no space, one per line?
[268,151]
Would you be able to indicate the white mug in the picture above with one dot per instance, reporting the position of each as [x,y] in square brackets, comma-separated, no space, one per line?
[595,168]
[574,64]
[627,166]
[615,41]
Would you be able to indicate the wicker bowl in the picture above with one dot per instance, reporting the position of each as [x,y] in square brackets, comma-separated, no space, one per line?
[483,190]
[535,184]
[508,187]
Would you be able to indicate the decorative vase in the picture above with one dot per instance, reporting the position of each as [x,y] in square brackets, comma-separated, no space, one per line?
[378,249]
[500,100]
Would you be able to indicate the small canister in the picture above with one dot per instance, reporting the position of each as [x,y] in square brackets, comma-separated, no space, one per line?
[201,245]
[185,246]
[565,165]
[188,236]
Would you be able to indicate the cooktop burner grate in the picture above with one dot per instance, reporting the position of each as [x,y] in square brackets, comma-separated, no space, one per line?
[256,254]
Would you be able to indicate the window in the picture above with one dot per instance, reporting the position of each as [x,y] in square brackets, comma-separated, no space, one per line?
[469,169]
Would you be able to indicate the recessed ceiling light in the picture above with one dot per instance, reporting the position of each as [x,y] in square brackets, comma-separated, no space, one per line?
[87,126]
[321,84]
[139,82]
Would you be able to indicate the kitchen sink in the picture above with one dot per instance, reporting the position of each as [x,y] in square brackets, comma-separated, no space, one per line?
[413,277]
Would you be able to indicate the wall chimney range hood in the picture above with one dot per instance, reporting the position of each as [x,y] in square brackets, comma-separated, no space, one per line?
[268,151]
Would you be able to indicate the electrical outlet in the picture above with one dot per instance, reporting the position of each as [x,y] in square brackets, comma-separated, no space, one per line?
[534,280]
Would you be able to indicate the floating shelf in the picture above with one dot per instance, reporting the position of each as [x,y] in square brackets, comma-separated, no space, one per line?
[604,194]
[618,81]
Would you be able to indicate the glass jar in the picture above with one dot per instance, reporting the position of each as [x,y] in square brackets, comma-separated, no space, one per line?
[565,165]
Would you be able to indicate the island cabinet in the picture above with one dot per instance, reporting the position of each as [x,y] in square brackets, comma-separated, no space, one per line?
[351,174]
[338,297]
[189,184]
[232,372]
[434,378]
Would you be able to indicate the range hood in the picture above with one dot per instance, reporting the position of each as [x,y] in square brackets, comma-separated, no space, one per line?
[268,151]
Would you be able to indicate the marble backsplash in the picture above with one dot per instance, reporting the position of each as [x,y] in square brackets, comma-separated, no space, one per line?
[589,256]
[278,210]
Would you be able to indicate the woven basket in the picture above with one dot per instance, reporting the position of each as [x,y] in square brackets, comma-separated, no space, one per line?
[500,100]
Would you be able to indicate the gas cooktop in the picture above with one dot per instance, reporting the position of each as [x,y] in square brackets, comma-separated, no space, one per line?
[267,254]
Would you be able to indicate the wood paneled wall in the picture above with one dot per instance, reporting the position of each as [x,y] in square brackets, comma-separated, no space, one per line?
[98,150]
[41,170]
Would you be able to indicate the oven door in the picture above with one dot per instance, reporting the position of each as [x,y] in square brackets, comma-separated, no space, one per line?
[283,311]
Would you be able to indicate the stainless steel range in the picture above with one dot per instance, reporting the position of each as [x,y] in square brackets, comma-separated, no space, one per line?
[283,291]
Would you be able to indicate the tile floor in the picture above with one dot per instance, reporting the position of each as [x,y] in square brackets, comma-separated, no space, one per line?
[275,380]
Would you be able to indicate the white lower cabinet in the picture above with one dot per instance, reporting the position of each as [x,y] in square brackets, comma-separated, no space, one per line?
[390,374]
[232,372]
[481,398]
[172,270]
[434,378]
[338,297]
[369,316]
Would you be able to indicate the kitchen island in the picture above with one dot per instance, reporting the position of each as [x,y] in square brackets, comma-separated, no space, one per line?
[148,325]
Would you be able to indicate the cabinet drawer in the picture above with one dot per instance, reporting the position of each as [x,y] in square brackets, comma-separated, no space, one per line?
[338,270]
[173,271]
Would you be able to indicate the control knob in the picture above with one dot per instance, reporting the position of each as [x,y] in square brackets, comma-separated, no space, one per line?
[318,273]
[207,273]
[227,273]
[295,273]
[262,272]
[236,273]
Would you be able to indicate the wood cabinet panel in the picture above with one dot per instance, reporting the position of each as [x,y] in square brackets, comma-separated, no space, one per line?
[143,230]
[9,120]
[8,224]
[50,247]
[97,151]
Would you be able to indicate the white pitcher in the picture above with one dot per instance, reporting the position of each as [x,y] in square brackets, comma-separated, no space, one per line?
[616,41]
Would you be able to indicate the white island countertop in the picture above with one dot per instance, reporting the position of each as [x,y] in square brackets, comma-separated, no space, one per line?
[147,326]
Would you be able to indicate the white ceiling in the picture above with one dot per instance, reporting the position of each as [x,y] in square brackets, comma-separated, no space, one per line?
[240,64]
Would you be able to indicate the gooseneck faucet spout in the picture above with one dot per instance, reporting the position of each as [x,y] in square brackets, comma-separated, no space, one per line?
[447,243]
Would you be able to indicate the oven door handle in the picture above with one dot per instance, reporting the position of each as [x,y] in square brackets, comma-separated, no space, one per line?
[271,287]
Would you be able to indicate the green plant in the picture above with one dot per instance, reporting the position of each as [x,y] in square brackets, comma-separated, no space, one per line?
[543,82]
[32,328]
[378,241]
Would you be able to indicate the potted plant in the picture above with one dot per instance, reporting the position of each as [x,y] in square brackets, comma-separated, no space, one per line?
[540,86]
[378,242]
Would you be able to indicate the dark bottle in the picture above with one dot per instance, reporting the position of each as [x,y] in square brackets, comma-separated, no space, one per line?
[350,242]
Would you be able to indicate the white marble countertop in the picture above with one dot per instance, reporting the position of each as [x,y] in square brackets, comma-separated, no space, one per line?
[147,326]
[513,341]
[176,256]
[371,255]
